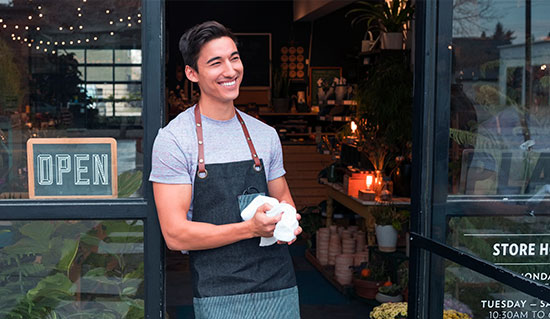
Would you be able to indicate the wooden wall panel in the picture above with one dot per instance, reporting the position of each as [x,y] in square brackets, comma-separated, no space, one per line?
[302,164]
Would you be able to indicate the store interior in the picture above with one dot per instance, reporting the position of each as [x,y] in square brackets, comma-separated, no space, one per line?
[308,71]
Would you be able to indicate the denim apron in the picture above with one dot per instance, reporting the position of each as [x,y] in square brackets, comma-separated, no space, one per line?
[240,280]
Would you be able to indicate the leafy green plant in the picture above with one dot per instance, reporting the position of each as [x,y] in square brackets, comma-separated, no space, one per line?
[391,290]
[281,84]
[387,17]
[129,183]
[390,215]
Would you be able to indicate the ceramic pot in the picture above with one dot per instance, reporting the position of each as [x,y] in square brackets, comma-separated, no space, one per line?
[386,237]
[366,288]
[392,41]
[380,297]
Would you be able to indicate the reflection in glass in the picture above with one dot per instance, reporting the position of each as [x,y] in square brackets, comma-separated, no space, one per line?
[500,99]
[520,244]
[70,70]
[71,269]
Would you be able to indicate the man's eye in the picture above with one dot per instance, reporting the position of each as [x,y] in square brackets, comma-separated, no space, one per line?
[236,58]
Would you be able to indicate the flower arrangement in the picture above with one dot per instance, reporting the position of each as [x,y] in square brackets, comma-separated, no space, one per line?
[390,310]
[398,310]
[453,314]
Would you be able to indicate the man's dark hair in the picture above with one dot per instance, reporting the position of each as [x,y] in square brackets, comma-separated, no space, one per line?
[193,40]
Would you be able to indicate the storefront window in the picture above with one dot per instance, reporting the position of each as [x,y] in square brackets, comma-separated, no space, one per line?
[72,269]
[500,107]
[519,244]
[70,69]
[499,154]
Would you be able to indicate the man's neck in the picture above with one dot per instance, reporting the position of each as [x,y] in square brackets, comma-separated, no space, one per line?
[216,110]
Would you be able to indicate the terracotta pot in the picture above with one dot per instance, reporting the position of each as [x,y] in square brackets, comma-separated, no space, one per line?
[366,288]
[380,297]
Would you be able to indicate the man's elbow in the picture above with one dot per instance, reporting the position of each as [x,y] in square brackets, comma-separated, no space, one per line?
[174,241]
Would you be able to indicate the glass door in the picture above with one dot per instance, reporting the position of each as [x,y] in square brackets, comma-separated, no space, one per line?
[481,240]
[79,109]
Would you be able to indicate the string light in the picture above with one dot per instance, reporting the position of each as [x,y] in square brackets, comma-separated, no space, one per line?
[62,42]
[30,17]
[53,52]
[111,22]
[1,20]
[87,40]
[16,26]
[18,38]
[45,49]
[80,27]
[112,33]
[55,43]
[78,41]
[121,20]
[139,21]
[60,28]
[71,28]
[41,42]
[37,47]
[48,43]
[139,15]
[37,28]
[80,15]
[39,7]
[95,38]
[26,27]
[78,9]
[29,45]
[129,18]
[107,11]
[40,15]
[71,42]
[5,26]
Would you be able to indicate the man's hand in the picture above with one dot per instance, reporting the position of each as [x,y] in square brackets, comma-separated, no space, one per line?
[262,225]
[297,232]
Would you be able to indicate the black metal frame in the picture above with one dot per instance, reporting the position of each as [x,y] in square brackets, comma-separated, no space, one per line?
[430,205]
[153,118]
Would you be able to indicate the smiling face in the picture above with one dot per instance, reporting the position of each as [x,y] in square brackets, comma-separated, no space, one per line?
[219,71]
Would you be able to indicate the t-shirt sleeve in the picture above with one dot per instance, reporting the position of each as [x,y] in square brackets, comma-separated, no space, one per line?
[276,167]
[169,163]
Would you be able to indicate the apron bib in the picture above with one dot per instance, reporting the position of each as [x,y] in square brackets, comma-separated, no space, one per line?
[242,275]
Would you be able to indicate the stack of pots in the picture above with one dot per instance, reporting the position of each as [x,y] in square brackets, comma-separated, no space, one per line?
[323,235]
[334,248]
[342,270]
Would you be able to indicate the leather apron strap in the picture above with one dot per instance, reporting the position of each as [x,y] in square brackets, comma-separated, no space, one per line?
[202,172]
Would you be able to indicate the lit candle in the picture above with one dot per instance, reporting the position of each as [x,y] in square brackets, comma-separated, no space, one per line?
[369,181]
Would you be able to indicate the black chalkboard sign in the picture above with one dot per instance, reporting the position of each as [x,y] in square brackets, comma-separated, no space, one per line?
[255,51]
[72,168]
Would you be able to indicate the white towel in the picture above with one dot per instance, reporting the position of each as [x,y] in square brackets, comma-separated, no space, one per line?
[284,230]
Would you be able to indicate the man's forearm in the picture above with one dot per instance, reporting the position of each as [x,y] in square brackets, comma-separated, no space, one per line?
[199,236]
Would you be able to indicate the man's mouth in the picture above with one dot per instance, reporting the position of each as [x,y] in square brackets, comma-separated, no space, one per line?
[229,83]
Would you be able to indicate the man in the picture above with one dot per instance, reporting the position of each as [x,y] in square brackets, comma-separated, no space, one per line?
[203,160]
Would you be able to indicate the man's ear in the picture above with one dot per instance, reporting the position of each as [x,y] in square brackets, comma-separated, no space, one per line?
[191,74]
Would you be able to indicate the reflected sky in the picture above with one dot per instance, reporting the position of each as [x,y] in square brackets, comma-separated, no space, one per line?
[511,13]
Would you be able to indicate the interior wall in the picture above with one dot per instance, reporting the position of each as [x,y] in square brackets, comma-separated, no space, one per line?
[335,42]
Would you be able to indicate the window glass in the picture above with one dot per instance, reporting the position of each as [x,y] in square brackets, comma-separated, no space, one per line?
[72,269]
[70,70]
[519,244]
[500,98]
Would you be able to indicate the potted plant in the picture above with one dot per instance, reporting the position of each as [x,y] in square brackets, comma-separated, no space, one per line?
[389,221]
[279,93]
[390,310]
[390,18]
[389,292]
[368,277]
[403,278]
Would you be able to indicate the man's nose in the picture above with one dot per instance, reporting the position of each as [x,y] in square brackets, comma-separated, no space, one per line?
[229,69]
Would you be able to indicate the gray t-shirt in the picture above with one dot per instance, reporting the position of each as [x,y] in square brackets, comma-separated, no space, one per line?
[175,151]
